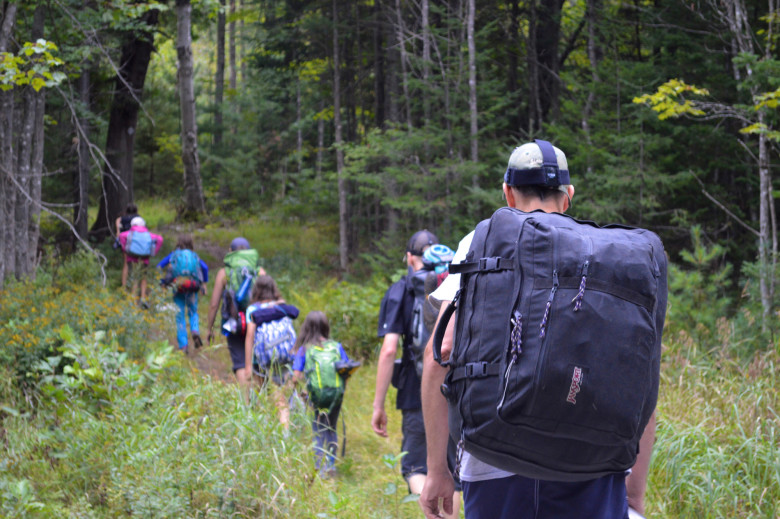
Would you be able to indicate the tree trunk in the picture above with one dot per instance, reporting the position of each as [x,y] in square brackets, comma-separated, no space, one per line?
[513,49]
[7,189]
[81,184]
[299,126]
[592,9]
[399,31]
[342,182]
[194,204]
[219,82]
[36,163]
[547,55]
[379,67]
[120,140]
[473,128]
[320,141]
[426,63]
[232,45]
[24,150]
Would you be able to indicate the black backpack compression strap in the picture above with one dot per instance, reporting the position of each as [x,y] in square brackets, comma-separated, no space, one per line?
[482,265]
[547,175]
[476,370]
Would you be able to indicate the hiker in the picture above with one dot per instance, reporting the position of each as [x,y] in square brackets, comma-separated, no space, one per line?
[400,316]
[269,344]
[315,362]
[139,245]
[188,275]
[122,225]
[241,266]
[490,492]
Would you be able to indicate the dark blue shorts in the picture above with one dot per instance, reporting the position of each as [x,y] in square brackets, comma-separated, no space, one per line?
[517,497]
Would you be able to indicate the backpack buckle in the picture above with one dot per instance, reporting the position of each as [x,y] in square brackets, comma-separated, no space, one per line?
[476,370]
[488,263]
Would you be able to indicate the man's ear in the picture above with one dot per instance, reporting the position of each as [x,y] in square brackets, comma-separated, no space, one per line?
[509,195]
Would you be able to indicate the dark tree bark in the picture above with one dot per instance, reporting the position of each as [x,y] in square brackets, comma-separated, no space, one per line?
[547,37]
[120,140]
[7,158]
[513,49]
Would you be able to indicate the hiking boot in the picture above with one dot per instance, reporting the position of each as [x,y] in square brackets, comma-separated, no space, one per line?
[196,340]
[144,305]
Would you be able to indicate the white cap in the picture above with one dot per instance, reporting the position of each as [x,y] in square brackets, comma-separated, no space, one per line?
[137,222]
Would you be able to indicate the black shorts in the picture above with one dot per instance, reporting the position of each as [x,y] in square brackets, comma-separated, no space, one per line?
[413,443]
[237,352]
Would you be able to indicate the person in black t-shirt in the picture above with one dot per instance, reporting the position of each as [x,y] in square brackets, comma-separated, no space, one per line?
[395,325]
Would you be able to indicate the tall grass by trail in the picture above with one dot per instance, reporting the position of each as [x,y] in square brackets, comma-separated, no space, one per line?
[717,453]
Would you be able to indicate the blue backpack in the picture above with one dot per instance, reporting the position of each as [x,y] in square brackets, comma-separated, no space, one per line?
[139,244]
[185,263]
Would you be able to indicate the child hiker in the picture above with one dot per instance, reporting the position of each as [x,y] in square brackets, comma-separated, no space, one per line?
[139,245]
[322,363]
[188,275]
[270,338]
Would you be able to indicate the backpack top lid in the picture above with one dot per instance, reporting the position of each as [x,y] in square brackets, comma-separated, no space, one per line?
[185,262]
[537,163]
[242,258]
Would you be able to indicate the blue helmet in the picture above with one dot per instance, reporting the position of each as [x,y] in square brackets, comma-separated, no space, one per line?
[438,257]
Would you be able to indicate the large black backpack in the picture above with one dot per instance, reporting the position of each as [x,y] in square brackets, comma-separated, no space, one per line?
[416,285]
[555,366]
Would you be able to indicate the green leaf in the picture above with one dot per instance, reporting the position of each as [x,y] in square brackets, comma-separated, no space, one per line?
[390,489]
[410,498]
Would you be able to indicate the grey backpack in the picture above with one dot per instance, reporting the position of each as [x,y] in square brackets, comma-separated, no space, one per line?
[555,366]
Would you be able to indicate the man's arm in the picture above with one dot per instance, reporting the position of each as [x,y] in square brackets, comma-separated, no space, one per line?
[439,483]
[216,299]
[384,373]
[636,482]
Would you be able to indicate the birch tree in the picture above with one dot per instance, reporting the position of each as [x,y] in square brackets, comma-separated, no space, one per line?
[342,182]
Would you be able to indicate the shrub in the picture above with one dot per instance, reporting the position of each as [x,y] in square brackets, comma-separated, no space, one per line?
[33,312]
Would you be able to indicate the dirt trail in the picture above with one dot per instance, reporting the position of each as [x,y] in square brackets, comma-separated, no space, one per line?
[213,361]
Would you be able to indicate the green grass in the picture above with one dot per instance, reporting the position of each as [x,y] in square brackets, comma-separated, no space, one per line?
[135,429]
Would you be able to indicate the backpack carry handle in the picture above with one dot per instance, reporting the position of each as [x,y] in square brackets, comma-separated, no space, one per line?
[441,328]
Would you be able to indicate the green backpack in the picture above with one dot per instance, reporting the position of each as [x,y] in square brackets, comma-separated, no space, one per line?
[324,384]
[239,265]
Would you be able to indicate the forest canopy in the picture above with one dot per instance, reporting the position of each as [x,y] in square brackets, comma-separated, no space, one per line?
[390,116]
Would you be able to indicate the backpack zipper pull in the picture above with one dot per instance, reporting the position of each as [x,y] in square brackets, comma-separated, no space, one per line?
[543,325]
[577,300]
[459,453]
[516,348]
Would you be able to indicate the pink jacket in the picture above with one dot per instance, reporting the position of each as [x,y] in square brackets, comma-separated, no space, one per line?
[158,241]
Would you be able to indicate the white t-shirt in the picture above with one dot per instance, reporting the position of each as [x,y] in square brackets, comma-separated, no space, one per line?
[471,469]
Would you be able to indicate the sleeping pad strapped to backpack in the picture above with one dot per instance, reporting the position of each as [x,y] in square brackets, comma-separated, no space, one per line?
[555,365]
